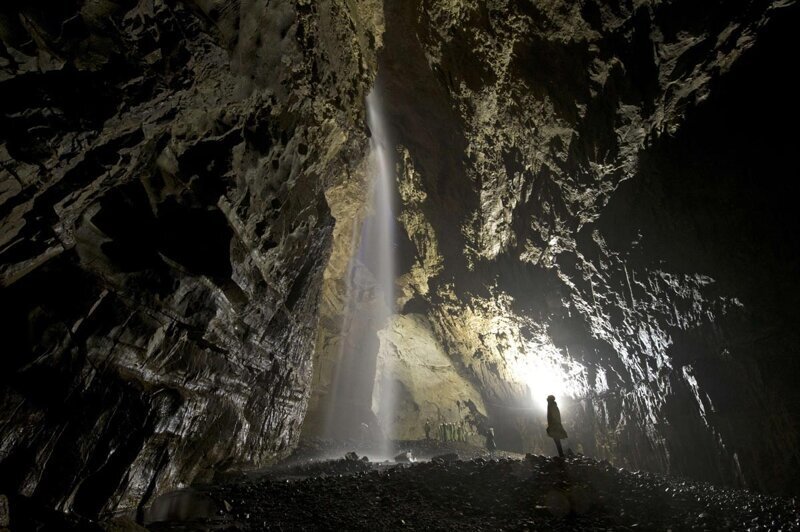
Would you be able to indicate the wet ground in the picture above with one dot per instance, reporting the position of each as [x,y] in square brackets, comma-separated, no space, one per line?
[474,492]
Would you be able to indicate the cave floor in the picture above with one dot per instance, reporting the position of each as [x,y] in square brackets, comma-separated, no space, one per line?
[478,493]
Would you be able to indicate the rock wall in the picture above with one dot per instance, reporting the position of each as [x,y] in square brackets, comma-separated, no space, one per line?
[164,232]
[591,206]
[591,203]
[414,371]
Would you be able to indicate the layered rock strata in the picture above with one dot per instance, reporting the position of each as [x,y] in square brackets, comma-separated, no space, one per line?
[589,203]
[164,233]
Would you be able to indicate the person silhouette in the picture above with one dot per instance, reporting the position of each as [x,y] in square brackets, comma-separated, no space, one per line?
[554,428]
[491,446]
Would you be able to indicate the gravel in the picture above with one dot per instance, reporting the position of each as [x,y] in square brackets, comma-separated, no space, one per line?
[532,493]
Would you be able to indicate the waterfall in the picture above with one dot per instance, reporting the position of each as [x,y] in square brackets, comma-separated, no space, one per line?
[382,219]
[384,394]
[356,397]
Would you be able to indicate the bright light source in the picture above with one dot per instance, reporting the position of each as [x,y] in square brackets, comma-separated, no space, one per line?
[543,381]
[546,372]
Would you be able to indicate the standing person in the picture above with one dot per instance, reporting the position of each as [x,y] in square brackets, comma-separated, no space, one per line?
[427,429]
[491,446]
[554,428]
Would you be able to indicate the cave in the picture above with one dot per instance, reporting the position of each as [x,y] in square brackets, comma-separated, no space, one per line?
[400,264]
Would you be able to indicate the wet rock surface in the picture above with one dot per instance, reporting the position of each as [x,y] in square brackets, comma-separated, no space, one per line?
[591,198]
[536,493]
[591,207]
[164,229]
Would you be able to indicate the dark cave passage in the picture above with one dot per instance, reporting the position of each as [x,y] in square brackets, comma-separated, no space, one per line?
[717,199]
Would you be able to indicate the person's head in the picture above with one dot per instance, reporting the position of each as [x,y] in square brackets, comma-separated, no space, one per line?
[551,398]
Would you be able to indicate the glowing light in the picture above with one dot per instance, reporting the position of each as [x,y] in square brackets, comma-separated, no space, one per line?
[545,371]
[543,381]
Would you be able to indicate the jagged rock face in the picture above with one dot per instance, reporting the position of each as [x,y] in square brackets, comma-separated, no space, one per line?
[424,386]
[164,233]
[581,206]
[577,182]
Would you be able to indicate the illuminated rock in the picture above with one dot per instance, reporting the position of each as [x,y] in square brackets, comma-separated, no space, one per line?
[591,203]
[413,368]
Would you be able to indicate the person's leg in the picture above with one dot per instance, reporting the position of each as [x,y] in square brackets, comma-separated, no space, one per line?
[558,446]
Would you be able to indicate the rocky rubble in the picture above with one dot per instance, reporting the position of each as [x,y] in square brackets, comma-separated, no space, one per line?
[537,493]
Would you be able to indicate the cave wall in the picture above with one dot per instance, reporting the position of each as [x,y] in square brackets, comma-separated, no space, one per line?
[591,195]
[416,383]
[591,204]
[163,233]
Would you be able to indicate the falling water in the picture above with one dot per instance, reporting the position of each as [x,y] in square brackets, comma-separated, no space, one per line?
[355,396]
[382,219]
[385,396]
